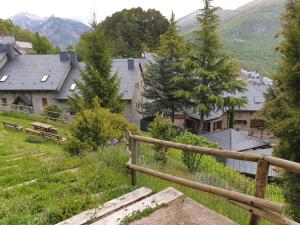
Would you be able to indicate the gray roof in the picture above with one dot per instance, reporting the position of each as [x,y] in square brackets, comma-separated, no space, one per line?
[26,71]
[250,167]
[127,77]
[233,140]
[255,89]
[7,39]
[74,75]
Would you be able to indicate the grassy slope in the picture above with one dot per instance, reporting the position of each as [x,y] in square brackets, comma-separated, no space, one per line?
[56,197]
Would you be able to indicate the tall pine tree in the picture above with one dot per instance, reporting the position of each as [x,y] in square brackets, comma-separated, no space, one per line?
[282,108]
[160,89]
[97,80]
[210,79]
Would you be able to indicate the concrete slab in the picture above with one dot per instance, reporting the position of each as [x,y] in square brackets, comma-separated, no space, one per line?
[185,212]
[108,207]
[164,197]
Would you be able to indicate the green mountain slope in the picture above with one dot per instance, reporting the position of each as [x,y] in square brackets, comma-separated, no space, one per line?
[248,33]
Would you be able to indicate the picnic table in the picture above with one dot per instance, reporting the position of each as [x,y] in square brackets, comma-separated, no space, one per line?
[43,126]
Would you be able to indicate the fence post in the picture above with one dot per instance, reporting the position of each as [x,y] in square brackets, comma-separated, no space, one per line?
[261,181]
[134,157]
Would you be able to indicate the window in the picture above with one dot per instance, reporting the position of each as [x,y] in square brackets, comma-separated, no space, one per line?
[4,101]
[45,78]
[44,102]
[73,87]
[240,122]
[4,78]
[257,124]
[218,125]
[190,124]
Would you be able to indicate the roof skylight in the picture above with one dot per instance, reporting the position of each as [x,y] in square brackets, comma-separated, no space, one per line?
[45,78]
[4,78]
[73,87]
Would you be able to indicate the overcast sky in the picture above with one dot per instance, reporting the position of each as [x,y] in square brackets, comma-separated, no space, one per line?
[81,9]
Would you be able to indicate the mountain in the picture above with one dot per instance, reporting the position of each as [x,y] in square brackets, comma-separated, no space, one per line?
[247,32]
[60,31]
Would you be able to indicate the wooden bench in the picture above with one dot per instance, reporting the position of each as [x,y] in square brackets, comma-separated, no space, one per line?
[12,125]
[52,136]
[32,131]
[53,130]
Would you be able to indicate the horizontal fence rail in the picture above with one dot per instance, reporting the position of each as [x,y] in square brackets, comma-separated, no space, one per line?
[62,117]
[257,205]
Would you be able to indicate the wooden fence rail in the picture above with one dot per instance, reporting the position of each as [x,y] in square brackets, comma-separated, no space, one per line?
[257,205]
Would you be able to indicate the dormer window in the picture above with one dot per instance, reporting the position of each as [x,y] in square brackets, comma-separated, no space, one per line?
[45,78]
[4,78]
[73,87]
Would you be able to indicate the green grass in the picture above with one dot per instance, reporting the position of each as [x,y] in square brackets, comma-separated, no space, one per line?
[210,172]
[56,196]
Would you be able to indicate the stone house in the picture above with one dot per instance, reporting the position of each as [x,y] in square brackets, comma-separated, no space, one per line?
[245,119]
[36,81]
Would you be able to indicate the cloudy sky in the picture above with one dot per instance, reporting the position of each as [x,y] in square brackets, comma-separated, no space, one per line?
[80,9]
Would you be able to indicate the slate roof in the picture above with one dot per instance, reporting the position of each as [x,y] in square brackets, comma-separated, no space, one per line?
[250,167]
[2,55]
[233,140]
[74,75]
[26,71]
[127,77]
[255,89]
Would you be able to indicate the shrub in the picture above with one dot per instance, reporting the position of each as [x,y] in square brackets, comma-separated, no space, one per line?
[35,139]
[52,112]
[161,128]
[190,159]
[94,128]
[75,146]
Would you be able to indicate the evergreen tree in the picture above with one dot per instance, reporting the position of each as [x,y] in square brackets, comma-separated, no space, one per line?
[97,80]
[210,78]
[282,107]
[159,73]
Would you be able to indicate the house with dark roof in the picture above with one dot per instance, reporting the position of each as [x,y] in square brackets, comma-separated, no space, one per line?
[237,141]
[245,118]
[39,80]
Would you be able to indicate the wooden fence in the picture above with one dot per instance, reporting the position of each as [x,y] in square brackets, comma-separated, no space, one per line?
[256,205]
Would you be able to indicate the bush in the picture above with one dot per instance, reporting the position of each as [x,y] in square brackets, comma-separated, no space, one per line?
[52,112]
[35,139]
[190,159]
[161,128]
[75,146]
[94,128]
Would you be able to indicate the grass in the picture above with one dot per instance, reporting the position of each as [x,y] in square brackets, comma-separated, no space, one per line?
[54,196]
[140,214]
[210,172]
[57,195]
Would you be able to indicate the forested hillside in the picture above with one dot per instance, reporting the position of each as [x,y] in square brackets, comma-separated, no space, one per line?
[248,32]
[134,30]
[41,44]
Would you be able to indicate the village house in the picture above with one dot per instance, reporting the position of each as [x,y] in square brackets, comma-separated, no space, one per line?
[35,81]
[245,119]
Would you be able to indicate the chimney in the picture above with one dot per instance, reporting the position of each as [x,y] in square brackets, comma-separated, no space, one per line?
[73,59]
[63,55]
[131,64]
[10,51]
